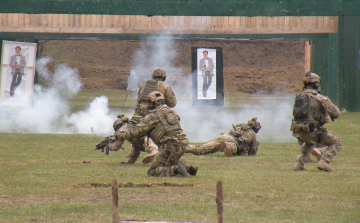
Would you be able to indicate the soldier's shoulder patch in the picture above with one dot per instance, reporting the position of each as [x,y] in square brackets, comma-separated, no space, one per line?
[327,101]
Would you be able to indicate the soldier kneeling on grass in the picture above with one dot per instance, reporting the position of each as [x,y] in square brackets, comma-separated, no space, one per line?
[162,124]
[240,141]
[311,112]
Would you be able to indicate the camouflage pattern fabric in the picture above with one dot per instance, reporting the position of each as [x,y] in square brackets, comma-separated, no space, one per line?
[322,136]
[165,162]
[319,111]
[171,145]
[249,143]
[212,146]
[170,99]
[139,144]
[240,141]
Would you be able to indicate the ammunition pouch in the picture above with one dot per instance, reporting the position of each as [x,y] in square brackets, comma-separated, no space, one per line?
[168,123]
[300,127]
[303,127]
[158,132]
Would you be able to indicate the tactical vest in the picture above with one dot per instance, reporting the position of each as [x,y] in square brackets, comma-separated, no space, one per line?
[150,86]
[301,106]
[308,112]
[240,129]
[142,106]
[168,123]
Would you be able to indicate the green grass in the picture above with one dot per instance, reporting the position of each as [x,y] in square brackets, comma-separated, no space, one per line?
[43,179]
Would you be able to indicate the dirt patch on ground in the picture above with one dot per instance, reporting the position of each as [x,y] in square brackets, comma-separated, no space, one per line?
[249,66]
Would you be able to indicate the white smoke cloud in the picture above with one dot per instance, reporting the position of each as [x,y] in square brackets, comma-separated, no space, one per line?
[204,123]
[153,53]
[50,109]
[95,119]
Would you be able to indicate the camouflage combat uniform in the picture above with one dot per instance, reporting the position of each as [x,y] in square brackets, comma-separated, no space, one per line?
[240,141]
[163,126]
[310,130]
[140,144]
[141,109]
[155,84]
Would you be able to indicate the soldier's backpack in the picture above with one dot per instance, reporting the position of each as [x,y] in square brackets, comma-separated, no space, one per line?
[301,106]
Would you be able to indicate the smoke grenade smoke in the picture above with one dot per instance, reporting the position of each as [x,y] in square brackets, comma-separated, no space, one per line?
[50,109]
[204,123]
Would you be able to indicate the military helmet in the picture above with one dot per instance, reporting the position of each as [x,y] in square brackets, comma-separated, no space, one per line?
[255,124]
[155,96]
[159,72]
[118,122]
[311,78]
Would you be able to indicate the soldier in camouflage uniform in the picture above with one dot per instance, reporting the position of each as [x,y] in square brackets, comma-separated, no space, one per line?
[155,84]
[311,112]
[318,151]
[163,126]
[140,144]
[240,141]
[141,107]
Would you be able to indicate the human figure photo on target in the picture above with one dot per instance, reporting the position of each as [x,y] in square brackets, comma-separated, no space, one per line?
[17,73]
[206,74]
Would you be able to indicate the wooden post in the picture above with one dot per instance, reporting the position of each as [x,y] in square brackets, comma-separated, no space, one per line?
[219,201]
[115,201]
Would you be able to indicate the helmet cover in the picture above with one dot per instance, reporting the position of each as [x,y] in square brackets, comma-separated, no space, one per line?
[155,96]
[159,72]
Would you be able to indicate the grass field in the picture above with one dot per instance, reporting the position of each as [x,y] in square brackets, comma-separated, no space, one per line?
[44,178]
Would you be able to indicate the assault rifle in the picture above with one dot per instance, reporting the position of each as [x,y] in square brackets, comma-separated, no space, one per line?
[105,144]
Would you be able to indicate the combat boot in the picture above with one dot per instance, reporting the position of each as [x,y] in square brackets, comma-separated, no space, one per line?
[324,165]
[149,158]
[180,169]
[226,149]
[192,170]
[316,153]
[299,167]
